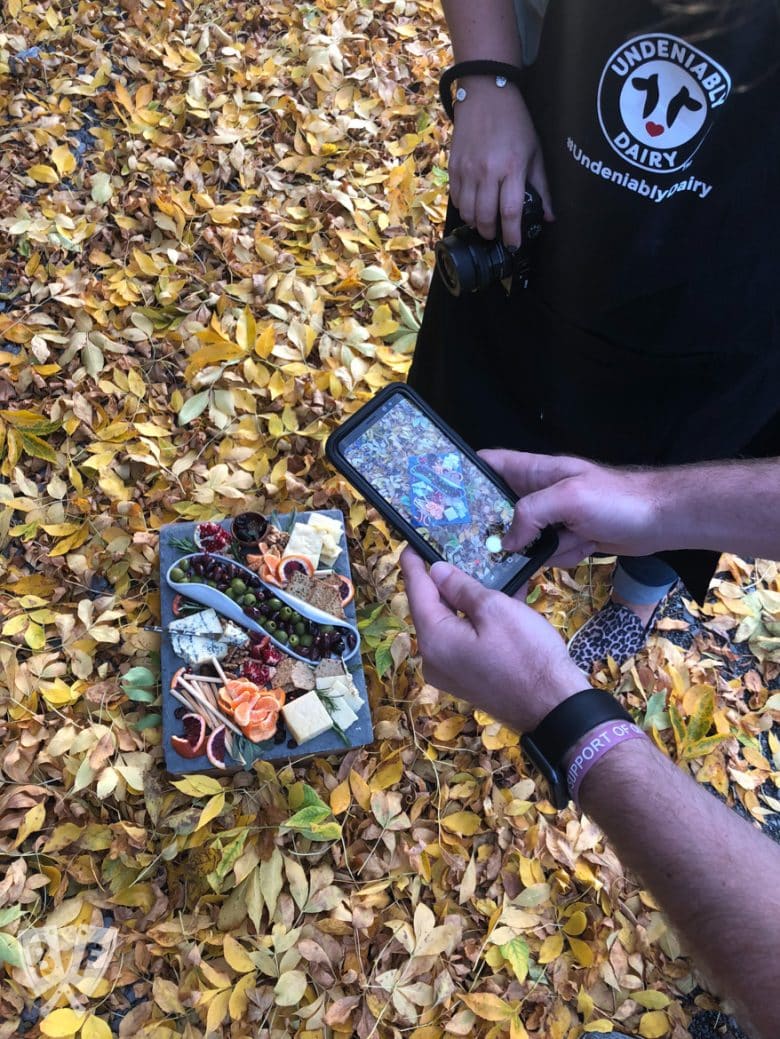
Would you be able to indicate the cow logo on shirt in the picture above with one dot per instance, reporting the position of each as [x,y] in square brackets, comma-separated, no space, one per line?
[656,100]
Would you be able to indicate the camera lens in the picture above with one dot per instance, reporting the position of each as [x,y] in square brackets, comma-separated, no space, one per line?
[469,263]
[447,268]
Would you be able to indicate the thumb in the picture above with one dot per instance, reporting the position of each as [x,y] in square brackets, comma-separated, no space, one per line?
[533,513]
[462,592]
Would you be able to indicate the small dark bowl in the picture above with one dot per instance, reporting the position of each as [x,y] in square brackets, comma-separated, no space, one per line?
[249,528]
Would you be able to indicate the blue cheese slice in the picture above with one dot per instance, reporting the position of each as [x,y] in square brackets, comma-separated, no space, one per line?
[199,649]
[206,622]
[306,718]
[233,635]
[188,634]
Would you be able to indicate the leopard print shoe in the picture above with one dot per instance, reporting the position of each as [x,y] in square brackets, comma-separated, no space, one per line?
[615,631]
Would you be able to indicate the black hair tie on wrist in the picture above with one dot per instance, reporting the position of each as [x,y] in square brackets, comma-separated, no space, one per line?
[481,67]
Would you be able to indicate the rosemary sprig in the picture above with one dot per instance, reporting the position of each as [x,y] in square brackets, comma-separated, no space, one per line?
[327,703]
[185,545]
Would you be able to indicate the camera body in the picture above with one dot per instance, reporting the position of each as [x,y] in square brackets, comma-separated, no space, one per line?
[467,262]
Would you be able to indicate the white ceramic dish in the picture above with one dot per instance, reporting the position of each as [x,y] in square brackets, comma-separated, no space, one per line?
[223,604]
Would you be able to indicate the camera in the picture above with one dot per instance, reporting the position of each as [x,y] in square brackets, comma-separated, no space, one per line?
[469,263]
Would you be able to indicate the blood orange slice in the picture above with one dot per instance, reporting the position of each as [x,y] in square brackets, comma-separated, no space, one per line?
[346,589]
[216,751]
[193,742]
[294,565]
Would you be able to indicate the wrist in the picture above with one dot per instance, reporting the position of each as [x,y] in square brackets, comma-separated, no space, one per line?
[590,751]
[627,767]
[551,690]
[665,516]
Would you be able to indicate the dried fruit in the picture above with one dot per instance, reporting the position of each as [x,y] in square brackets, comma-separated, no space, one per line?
[193,742]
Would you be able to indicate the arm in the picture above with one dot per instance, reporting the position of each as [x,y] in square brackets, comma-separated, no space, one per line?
[724,506]
[716,877]
[494,146]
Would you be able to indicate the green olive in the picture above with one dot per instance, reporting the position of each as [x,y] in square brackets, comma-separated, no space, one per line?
[177,574]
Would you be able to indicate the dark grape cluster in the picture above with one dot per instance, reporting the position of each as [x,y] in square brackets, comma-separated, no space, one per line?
[307,638]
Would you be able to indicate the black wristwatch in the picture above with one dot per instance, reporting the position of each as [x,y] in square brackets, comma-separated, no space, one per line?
[562,728]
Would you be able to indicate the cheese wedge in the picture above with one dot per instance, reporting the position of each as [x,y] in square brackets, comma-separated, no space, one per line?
[306,718]
[331,531]
[341,687]
[198,649]
[342,714]
[233,635]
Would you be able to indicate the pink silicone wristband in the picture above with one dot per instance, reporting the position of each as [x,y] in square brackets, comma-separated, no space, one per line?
[593,747]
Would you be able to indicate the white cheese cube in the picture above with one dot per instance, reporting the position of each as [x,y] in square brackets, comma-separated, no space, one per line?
[341,713]
[306,718]
[304,541]
[331,531]
[329,681]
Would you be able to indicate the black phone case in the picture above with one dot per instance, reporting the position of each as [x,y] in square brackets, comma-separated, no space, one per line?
[544,546]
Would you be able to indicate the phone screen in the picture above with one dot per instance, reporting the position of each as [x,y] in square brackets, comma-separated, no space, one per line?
[439,491]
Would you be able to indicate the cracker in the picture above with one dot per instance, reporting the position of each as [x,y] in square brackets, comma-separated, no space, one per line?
[330,669]
[294,674]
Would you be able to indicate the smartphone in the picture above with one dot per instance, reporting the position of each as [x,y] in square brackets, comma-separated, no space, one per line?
[434,489]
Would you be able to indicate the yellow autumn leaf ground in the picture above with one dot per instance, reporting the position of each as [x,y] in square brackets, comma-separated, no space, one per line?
[235,206]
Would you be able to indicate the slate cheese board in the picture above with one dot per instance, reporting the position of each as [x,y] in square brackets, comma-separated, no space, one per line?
[174,547]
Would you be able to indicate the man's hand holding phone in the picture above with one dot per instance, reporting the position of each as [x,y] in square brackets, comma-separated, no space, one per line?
[595,508]
[499,655]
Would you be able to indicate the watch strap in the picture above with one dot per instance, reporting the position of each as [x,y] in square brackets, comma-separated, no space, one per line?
[567,723]
[563,728]
[480,67]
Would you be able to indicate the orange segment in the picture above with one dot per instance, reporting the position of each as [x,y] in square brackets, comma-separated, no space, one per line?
[242,713]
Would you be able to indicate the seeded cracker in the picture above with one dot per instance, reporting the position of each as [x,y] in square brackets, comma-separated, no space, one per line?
[294,674]
[300,586]
[330,669]
[327,598]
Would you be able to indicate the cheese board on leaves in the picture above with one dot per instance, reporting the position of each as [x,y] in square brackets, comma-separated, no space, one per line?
[260,650]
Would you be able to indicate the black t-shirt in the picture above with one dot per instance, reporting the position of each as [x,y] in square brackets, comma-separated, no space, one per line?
[661,141]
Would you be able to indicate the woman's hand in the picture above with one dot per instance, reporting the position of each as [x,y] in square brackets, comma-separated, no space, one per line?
[495,152]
